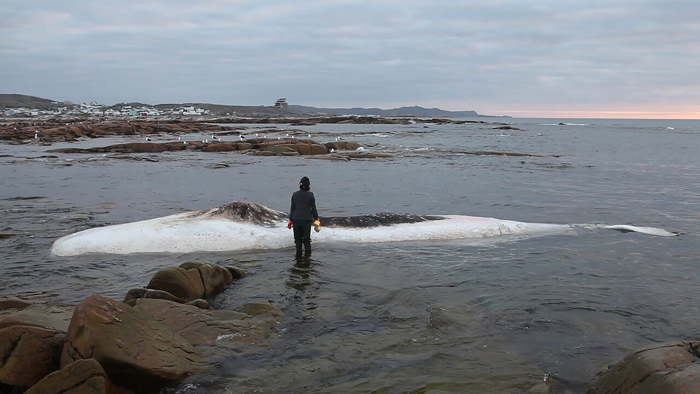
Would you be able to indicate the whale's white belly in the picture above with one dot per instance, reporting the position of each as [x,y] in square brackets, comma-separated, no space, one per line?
[179,234]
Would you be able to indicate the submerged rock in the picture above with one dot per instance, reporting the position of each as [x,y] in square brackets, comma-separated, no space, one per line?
[201,304]
[200,326]
[662,368]
[507,127]
[236,273]
[342,145]
[263,311]
[135,294]
[13,302]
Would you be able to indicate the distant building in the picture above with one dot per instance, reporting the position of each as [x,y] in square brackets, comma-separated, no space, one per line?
[281,103]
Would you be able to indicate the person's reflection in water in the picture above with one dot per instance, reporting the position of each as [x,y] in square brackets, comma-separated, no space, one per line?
[302,274]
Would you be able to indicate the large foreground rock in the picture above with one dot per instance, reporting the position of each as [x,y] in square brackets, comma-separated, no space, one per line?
[200,326]
[81,377]
[664,368]
[28,353]
[135,350]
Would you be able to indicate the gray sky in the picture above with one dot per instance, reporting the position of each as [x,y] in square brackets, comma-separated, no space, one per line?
[548,58]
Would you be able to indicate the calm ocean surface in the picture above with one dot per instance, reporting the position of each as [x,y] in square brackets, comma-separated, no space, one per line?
[428,317]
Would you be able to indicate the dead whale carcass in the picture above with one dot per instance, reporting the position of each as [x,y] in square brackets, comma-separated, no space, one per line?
[249,226]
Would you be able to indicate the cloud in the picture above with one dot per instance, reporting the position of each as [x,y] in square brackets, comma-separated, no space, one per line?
[483,55]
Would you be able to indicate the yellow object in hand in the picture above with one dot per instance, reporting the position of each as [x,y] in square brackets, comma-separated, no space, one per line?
[317,225]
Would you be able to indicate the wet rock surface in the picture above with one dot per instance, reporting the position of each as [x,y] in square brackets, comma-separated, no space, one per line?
[83,376]
[106,346]
[48,131]
[28,353]
[135,294]
[52,317]
[200,326]
[192,280]
[663,368]
[257,146]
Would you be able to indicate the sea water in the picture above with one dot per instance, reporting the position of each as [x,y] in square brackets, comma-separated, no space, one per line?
[445,316]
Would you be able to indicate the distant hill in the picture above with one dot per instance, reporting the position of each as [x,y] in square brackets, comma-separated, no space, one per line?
[23,101]
[403,111]
[241,110]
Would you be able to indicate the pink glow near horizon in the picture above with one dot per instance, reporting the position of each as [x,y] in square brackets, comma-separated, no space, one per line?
[593,114]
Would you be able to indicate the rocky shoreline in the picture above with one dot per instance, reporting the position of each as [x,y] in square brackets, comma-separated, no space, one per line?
[158,336]
[254,146]
[47,133]
[50,130]
[149,341]
[218,135]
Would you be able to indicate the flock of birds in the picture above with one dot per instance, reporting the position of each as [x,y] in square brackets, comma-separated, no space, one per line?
[215,138]
[241,137]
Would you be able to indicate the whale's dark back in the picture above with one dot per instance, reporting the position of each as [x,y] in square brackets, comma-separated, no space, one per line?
[247,212]
[375,220]
[263,216]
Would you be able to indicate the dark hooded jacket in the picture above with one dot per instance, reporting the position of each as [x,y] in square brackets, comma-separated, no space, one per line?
[303,207]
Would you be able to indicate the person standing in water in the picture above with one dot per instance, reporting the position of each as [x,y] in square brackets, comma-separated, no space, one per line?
[302,215]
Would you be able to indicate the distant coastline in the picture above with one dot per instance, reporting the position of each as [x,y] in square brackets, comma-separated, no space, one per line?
[414,111]
[19,105]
